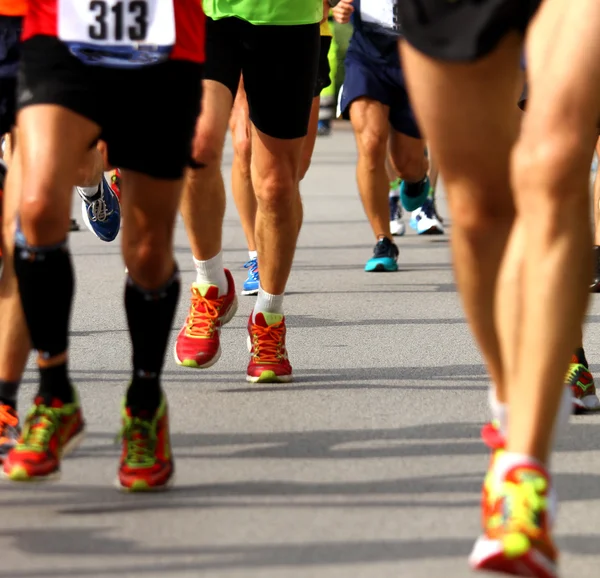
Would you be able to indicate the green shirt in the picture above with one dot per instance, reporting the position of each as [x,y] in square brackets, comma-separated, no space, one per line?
[274,12]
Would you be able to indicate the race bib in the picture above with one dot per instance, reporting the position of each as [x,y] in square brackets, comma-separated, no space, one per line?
[382,13]
[117,33]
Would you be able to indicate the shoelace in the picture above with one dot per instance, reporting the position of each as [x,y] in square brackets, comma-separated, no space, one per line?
[141,441]
[8,419]
[99,211]
[267,343]
[524,505]
[575,373]
[204,315]
[41,424]
[252,265]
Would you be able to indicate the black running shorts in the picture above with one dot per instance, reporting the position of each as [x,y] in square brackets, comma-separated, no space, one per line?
[10,34]
[147,116]
[462,30]
[324,71]
[279,65]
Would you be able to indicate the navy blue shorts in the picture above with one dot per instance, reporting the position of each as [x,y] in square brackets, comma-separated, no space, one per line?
[384,84]
[10,35]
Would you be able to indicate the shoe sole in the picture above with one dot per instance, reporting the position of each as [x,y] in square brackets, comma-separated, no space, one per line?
[488,555]
[190,363]
[380,268]
[143,487]
[432,231]
[252,292]
[20,474]
[587,404]
[269,377]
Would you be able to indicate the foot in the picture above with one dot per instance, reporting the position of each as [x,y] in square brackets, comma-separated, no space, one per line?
[253,281]
[516,539]
[425,221]
[324,128]
[146,460]
[414,195]
[102,212]
[9,430]
[51,431]
[269,361]
[385,257]
[580,381]
[198,344]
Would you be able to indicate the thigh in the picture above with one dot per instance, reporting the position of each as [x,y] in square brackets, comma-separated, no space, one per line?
[467,113]
[276,59]
[139,139]
[563,59]
[370,121]
[239,124]
[224,52]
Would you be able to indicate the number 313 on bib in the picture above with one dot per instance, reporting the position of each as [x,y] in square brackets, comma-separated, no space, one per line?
[117,22]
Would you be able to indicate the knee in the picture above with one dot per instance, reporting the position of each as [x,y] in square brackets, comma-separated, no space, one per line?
[149,260]
[41,222]
[277,192]
[486,211]
[206,148]
[549,172]
[372,146]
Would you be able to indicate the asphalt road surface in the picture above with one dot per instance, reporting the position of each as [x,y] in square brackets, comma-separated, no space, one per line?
[368,466]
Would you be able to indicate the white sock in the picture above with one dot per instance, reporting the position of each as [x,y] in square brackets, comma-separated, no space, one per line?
[89,192]
[499,411]
[267,303]
[253,255]
[212,272]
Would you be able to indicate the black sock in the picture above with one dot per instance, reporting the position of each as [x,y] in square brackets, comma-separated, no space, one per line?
[48,318]
[150,318]
[8,393]
[54,383]
[414,189]
[580,354]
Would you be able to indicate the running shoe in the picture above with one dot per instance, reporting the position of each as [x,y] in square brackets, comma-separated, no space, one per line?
[516,537]
[580,381]
[494,439]
[269,361]
[414,195]
[50,432]
[252,283]
[102,212]
[424,220]
[9,430]
[146,460]
[198,344]
[385,257]
[397,227]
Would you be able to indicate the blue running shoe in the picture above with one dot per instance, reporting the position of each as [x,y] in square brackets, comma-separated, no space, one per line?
[102,212]
[425,220]
[251,284]
[413,195]
[385,257]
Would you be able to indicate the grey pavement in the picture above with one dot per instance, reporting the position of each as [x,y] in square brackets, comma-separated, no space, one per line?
[368,466]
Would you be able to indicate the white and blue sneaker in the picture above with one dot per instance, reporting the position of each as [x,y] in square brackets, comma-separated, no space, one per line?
[101,212]
[425,220]
[253,281]
[397,227]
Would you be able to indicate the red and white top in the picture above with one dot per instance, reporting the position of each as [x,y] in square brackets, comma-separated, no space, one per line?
[122,23]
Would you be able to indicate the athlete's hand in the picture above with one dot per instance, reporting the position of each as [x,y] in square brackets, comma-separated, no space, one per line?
[342,11]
